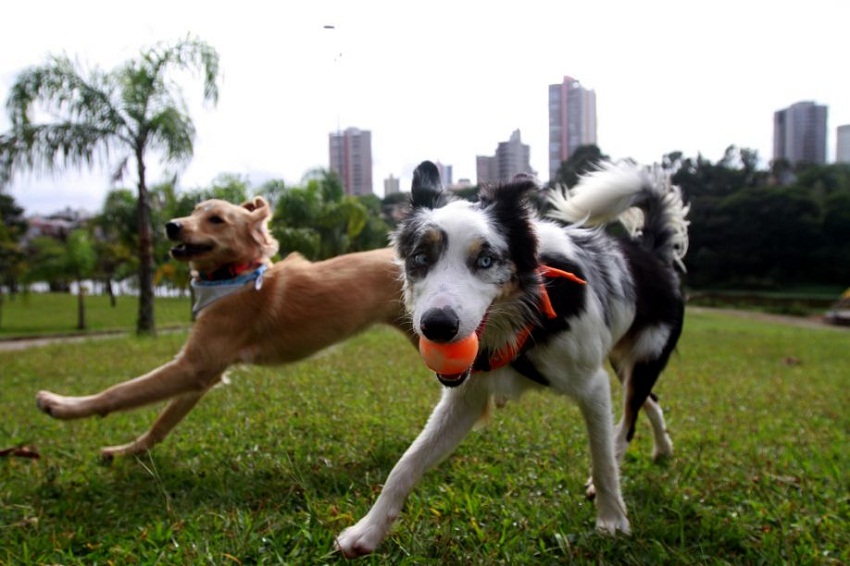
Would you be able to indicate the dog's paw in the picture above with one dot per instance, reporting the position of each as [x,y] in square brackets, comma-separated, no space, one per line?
[589,489]
[663,450]
[611,517]
[50,403]
[613,525]
[138,446]
[359,540]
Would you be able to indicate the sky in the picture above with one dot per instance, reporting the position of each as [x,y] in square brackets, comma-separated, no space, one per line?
[446,80]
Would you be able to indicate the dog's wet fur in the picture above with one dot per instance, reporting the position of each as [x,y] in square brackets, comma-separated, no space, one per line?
[475,268]
[300,308]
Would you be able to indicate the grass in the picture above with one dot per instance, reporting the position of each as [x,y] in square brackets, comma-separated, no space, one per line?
[56,313]
[270,468]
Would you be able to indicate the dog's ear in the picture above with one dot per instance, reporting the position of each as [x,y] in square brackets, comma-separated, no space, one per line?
[258,227]
[509,205]
[511,196]
[427,190]
[258,207]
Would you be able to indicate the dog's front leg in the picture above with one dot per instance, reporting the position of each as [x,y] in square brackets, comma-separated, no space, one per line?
[595,405]
[179,376]
[452,419]
[167,420]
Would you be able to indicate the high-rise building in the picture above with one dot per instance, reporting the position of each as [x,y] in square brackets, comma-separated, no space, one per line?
[799,133]
[351,159]
[842,145]
[391,185]
[512,158]
[572,121]
[445,174]
[486,169]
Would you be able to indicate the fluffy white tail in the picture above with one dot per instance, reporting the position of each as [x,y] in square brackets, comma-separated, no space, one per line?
[642,199]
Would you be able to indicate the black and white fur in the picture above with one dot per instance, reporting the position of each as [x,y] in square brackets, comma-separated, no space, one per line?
[473,267]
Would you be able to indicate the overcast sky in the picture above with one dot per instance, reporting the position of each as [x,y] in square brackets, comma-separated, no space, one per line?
[447,80]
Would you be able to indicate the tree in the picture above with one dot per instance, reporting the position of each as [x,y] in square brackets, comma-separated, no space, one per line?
[271,191]
[375,232]
[319,220]
[12,229]
[47,257]
[231,187]
[130,111]
[61,261]
[582,160]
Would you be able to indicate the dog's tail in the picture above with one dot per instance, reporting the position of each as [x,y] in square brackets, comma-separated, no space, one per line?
[642,199]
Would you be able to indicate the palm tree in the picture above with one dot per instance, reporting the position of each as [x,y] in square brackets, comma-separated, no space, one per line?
[95,117]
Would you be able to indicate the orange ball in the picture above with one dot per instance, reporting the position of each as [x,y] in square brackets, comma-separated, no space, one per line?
[449,359]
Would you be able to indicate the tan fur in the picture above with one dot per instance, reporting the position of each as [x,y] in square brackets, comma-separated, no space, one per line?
[301,308]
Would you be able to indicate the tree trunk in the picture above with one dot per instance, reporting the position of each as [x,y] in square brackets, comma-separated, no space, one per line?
[145,322]
[110,291]
[81,306]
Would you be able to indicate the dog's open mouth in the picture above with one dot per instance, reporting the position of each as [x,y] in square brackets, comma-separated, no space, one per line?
[185,251]
[454,379]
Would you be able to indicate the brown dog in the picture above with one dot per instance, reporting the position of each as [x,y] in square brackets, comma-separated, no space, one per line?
[249,311]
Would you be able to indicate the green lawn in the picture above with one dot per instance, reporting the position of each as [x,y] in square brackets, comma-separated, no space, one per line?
[56,313]
[269,468]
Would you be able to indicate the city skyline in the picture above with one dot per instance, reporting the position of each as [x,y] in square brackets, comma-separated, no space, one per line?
[842,144]
[441,87]
[572,120]
[511,158]
[350,157]
[799,133]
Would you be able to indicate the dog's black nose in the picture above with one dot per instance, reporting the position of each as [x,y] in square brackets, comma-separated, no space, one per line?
[172,229]
[439,325]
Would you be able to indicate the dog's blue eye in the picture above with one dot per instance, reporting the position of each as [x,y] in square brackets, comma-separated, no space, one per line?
[420,260]
[485,261]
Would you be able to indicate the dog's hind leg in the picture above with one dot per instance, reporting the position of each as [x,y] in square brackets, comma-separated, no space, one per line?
[638,379]
[165,422]
[453,417]
[662,443]
[623,369]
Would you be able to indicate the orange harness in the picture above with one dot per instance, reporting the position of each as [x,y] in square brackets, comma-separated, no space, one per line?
[510,351]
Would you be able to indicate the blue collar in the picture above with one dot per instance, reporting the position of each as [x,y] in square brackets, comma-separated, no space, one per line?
[207,292]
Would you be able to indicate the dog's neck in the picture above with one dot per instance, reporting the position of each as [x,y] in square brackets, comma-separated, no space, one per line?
[210,286]
[227,271]
[488,361]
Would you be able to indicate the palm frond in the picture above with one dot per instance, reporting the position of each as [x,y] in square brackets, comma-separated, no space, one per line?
[46,148]
[60,89]
[77,122]
[172,132]
[120,170]
[187,54]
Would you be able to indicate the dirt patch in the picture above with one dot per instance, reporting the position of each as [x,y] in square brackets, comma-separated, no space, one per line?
[801,321]
[12,344]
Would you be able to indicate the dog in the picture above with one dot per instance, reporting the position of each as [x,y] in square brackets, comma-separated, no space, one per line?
[248,311]
[550,300]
